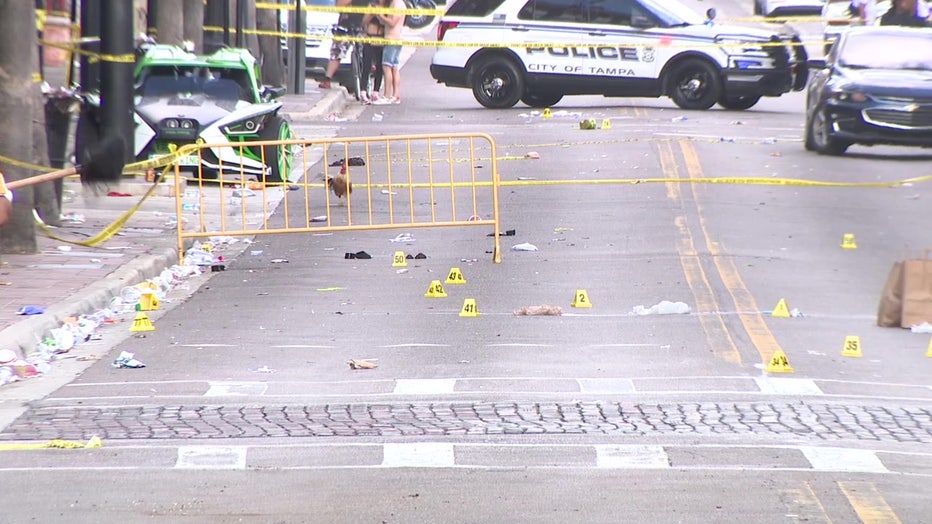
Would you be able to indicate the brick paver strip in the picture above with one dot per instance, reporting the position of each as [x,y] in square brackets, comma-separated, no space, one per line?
[816,420]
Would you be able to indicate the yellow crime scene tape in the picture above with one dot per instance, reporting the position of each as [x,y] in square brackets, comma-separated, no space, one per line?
[93,443]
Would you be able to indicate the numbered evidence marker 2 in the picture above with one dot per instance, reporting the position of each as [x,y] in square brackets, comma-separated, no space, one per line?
[469,308]
[581,299]
[399,259]
[435,290]
[852,347]
[455,276]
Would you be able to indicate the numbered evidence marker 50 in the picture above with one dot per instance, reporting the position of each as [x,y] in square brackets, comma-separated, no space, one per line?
[399,259]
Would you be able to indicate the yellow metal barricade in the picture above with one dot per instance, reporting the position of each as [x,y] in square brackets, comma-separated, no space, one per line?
[404,181]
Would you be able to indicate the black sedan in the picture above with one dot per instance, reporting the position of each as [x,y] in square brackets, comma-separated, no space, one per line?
[874,87]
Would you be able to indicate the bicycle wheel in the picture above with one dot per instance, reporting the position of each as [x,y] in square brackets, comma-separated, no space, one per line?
[357,80]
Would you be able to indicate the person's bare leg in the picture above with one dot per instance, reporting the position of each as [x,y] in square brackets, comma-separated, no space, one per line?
[396,83]
[388,80]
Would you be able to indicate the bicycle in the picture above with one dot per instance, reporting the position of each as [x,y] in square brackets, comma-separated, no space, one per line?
[361,82]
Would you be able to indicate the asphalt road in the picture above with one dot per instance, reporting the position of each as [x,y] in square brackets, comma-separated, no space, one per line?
[248,412]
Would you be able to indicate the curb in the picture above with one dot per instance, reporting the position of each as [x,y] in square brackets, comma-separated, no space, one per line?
[23,335]
[333,102]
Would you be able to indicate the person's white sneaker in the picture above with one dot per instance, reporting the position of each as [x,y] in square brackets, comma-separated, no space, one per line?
[382,102]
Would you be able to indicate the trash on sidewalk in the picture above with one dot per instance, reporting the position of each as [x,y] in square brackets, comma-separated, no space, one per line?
[664,307]
[30,310]
[524,247]
[534,311]
[925,327]
[262,369]
[362,364]
[279,261]
[127,360]
[533,155]
[404,237]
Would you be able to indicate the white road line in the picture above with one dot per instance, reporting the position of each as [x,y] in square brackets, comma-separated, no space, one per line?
[230,389]
[788,386]
[606,385]
[519,345]
[418,455]
[301,346]
[207,345]
[631,457]
[416,345]
[424,386]
[211,457]
[843,459]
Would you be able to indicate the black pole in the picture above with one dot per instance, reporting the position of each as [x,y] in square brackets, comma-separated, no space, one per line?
[116,73]
[213,19]
[226,23]
[89,77]
[152,11]
[240,23]
[297,49]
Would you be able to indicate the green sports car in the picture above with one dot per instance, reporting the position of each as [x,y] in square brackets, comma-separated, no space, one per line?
[184,98]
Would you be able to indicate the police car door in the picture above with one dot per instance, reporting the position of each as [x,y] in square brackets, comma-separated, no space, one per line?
[622,46]
[552,31]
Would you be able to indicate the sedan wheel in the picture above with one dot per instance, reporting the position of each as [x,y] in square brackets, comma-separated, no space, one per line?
[819,136]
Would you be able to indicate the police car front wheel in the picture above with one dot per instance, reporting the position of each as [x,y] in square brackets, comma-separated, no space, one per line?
[694,84]
[497,83]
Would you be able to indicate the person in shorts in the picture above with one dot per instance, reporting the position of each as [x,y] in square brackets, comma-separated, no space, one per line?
[391,54]
[348,23]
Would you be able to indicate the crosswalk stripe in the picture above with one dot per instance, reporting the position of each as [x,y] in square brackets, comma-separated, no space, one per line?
[211,457]
[418,455]
[844,459]
[631,457]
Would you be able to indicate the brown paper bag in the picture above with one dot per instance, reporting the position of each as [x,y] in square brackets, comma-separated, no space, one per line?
[890,309]
[917,292]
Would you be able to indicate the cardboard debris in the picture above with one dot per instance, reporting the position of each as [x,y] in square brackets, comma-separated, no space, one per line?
[534,311]
[362,364]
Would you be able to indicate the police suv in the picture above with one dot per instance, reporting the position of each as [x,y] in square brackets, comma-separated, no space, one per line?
[538,51]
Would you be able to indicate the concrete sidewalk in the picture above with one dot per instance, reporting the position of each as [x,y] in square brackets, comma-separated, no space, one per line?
[68,280]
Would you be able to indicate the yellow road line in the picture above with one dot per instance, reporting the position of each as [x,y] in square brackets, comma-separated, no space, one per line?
[804,505]
[722,344]
[868,503]
[757,329]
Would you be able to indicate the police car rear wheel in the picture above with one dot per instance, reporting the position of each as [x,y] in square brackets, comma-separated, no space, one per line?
[694,84]
[738,103]
[541,99]
[497,83]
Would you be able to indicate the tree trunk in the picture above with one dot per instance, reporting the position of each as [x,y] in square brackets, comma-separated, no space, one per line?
[19,100]
[168,21]
[270,48]
[194,23]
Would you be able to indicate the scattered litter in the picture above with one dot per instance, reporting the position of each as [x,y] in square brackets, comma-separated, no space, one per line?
[562,229]
[87,358]
[127,360]
[506,233]
[534,155]
[64,249]
[925,327]
[74,218]
[243,193]
[256,252]
[404,237]
[664,307]
[469,260]
[534,311]
[526,178]
[728,139]
[118,194]
[678,119]
[262,369]
[329,289]
[474,218]
[30,310]
[352,161]
[524,247]
[387,192]
[362,364]
[420,256]
[796,313]
[279,260]
[588,123]
[320,218]
[377,117]
[464,362]
[359,254]
[737,123]
[402,270]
